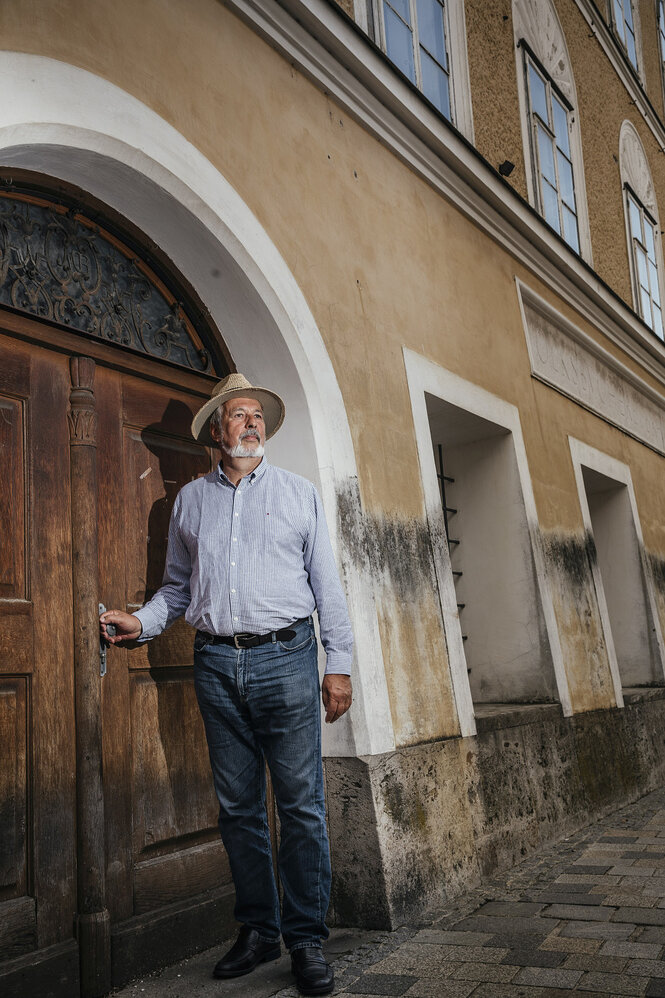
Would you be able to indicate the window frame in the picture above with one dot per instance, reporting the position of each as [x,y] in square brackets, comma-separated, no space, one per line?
[660,29]
[623,29]
[534,118]
[637,286]
[380,22]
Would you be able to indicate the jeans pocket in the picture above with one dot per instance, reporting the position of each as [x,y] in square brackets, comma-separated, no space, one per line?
[299,642]
[200,641]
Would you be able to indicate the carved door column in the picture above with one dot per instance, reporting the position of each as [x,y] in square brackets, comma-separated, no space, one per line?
[92,920]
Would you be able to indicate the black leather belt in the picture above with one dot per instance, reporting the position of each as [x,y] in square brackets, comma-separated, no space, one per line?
[245,640]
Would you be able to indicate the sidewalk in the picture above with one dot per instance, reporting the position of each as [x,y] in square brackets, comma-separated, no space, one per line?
[586,916]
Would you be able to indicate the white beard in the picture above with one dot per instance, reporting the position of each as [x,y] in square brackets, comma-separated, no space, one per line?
[240,450]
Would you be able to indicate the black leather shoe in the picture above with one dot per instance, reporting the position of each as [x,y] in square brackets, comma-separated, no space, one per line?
[313,975]
[248,951]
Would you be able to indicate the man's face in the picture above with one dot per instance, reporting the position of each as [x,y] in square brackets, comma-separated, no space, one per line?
[243,430]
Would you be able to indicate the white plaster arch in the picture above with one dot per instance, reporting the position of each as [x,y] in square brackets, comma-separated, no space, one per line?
[536,22]
[635,172]
[68,123]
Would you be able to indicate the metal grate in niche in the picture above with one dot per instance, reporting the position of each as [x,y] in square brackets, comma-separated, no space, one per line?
[448,511]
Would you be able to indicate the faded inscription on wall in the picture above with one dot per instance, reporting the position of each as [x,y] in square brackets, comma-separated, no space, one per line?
[601,384]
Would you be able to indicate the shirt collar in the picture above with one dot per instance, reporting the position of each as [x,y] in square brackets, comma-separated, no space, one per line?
[258,472]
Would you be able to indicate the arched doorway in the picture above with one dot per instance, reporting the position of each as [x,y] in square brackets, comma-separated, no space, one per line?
[106,807]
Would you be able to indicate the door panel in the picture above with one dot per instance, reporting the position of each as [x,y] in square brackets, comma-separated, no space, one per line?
[169,838]
[37,798]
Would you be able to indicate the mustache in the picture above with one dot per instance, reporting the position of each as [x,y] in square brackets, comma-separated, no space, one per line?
[250,433]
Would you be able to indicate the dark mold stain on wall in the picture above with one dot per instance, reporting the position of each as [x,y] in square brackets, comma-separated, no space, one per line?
[572,557]
[398,549]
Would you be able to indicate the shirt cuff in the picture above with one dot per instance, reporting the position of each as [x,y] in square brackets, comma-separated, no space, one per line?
[149,622]
[339,664]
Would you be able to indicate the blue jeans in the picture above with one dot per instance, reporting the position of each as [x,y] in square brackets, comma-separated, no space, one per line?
[263,704]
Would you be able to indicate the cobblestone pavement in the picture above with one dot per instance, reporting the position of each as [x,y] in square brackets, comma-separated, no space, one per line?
[586,916]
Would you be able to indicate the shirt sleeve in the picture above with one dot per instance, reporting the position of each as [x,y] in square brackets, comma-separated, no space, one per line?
[334,623]
[173,598]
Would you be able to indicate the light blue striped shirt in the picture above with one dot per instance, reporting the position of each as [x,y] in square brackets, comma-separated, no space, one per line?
[251,558]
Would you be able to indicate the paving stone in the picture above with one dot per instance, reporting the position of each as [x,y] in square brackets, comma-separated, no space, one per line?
[641,916]
[628,899]
[585,888]
[637,951]
[596,930]
[587,878]
[613,984]
[556,897]
[399,965]
[646,968]
[383,984]
[442,989]
[579,912]
[623,870]
[521,909]
[601,965]
[480,954]
[498,924]
[655,989]
[438,937]
[651,934]
[534,957]
[500,973]
[512,991]
[600,868]
[618,837]
[549,977]
[563,945]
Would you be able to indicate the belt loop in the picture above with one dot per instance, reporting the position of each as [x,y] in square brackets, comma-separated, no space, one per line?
[273,637]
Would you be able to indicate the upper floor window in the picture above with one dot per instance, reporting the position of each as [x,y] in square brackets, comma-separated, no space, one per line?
[645,248]
[551,154]
[643,240]
[551,131]
[661,37]
[415,38]
[623,18]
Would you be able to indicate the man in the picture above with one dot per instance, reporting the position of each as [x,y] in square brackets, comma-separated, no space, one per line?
[248,561]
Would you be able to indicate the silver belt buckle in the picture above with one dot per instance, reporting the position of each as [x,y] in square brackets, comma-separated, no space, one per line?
[243,634]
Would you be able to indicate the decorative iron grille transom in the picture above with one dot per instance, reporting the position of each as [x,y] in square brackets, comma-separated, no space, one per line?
[57,265]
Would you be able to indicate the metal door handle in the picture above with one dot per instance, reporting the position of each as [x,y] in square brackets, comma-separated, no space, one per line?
[103,644]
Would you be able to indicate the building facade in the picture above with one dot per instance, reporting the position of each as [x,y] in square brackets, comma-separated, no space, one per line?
[433,226]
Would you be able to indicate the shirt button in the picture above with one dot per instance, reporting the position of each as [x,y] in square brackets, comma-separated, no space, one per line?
[235,618]
[235,514]
[235,539]
[233,563]
[233,590]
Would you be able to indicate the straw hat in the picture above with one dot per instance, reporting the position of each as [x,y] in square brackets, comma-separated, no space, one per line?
[237,386]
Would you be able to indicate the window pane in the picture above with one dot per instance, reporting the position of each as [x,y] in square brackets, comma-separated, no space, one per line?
[653,283]
[435,83]
[618,19]
[402,8]
[561,126]
[399,44]
[641,258]
[658,321]
[570,229]
[634,219]
[551,206]
[646,307]
[630,45]
[648,238]
[546,154]
[566,188]
[430,30]
[628,13]
[538,94]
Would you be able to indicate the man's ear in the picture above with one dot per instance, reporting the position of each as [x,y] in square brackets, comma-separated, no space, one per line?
[215,432]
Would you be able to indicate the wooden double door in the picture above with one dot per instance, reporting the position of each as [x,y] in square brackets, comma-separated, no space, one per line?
[160,842]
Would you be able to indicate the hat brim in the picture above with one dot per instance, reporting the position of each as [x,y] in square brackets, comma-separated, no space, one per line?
[273,412]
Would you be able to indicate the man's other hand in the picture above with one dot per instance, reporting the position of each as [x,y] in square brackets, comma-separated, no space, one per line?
[127,626]
[336,693]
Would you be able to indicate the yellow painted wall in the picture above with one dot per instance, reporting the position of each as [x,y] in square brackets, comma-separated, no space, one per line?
[383,262]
